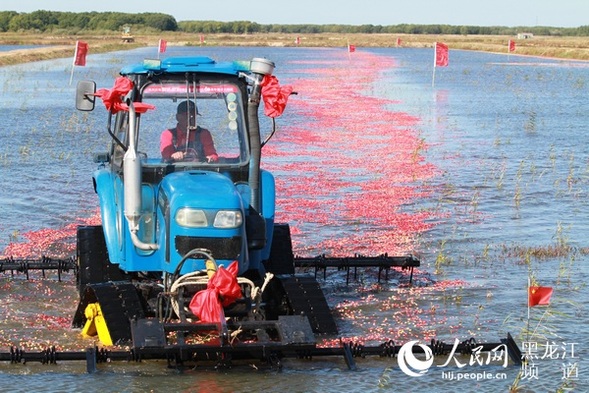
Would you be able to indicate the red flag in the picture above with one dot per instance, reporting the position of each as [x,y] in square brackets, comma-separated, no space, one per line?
[511,46]
[441,54]
[275,96]
[351,48]
[539,296]
[163,45]
[80,54]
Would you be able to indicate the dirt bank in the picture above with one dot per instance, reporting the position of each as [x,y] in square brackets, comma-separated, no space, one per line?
[63,46]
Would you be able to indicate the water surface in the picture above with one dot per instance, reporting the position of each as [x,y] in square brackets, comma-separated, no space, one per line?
[506,136]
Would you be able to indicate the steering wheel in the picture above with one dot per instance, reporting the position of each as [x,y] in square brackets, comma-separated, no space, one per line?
[192,155]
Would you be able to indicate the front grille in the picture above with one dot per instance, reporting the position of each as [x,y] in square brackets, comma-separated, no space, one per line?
[220,247]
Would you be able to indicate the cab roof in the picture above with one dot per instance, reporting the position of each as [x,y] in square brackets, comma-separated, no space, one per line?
[186,64]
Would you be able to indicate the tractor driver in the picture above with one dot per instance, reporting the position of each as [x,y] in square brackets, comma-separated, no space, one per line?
[200,146]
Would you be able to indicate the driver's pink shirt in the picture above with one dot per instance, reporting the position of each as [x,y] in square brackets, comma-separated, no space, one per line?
[167,147]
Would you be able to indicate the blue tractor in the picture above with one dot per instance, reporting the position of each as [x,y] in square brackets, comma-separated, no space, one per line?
[171,222]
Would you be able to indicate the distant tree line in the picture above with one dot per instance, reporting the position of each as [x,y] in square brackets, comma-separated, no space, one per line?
[55,21]
[244,27]
[52,21]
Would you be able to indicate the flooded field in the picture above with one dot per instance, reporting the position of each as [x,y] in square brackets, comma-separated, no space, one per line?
[484,176]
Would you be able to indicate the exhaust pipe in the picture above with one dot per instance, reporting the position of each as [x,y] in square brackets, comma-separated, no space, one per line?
[259,67]
[132,186]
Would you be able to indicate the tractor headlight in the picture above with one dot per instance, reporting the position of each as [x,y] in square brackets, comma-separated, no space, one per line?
[192,218]
[228,219]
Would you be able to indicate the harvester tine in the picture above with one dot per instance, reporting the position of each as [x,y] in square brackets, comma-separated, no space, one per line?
[348,357]
[91,360]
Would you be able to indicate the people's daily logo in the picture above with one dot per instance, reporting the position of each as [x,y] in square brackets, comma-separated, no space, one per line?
[409,364]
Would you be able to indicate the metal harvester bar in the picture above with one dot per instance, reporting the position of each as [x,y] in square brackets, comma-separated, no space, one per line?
[291,345]
[383,262]
[23,265]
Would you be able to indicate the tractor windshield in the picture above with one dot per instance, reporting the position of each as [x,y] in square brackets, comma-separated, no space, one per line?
[194,125]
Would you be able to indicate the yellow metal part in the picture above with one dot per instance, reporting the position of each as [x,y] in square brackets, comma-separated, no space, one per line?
[95,324]
[211,267]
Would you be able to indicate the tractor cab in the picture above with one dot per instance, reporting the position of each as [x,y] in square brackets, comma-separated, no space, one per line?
[214,109]
[183,170]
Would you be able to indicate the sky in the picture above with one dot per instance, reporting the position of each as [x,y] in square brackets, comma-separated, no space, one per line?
[511,13]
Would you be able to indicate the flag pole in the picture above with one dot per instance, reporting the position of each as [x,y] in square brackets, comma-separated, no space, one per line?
[528,300]
[435,57]
[349,55]
[74,63]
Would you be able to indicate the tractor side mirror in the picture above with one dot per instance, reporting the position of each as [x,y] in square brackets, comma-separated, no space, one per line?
[85,98]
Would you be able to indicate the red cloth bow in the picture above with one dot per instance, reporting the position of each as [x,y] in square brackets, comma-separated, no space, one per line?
[275,96]
[112,98]
[222,291]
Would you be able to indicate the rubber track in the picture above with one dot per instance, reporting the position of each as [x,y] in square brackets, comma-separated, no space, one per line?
[306,297]
[119,302]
